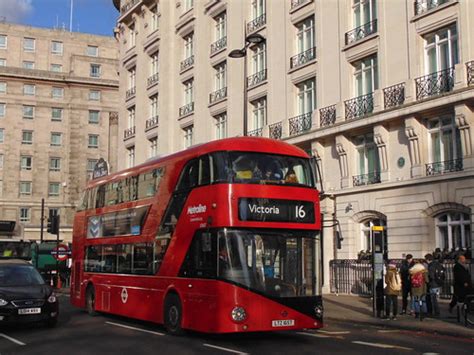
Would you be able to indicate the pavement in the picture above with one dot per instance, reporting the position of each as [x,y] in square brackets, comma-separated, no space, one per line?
[356,309]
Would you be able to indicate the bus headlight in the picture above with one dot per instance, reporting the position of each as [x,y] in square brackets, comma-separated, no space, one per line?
[238,314]
[52,298]
[3,302]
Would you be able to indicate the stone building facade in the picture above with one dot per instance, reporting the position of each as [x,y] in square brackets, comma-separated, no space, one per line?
[382,92]
[58,103]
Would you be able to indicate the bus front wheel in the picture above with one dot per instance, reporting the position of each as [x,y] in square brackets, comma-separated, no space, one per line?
[173,314]
[90,301]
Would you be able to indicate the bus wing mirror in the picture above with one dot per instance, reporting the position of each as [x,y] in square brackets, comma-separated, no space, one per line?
[317,174]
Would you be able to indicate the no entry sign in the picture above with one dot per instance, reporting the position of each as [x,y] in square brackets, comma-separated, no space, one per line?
[61,252]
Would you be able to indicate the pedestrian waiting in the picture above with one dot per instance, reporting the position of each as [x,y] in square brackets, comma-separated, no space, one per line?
[406,283]
[419,281]
[392,290]
[436,277]
[462,282]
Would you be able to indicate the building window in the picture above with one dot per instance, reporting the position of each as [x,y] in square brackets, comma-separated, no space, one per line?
[56,139]
[153,147]
[188,92]
[131,156]
[26,162]
[441,48]
[221,76]
[367,155]
[93,141]
[56,114]
[221,126]
[453,231]
[364,11]
[95,71]
[154,19]
[28,111]
[188,5]
[29,44]
[154,106]
[53,189]
[188,46]
[3,109]
[132,78]
[25,215]
[54,164]
[258,8]
[306,96]
[131,117]
[259,58]
[27,137]
[366,76]
[132,35]
[3,87]
[221,26]
[25,188]
[57,92]
[3,42]
[94,95]
[154,64]
[92,51]
[57,47]
[28,64]
[3,62]
[188,136]
[2,135]
[305,35]
[444,140]
[259,113]
[29,89]
[94,116]
[366,233]
[58,68]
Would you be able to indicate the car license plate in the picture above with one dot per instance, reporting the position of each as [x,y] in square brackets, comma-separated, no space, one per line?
[283,323]
[29,311]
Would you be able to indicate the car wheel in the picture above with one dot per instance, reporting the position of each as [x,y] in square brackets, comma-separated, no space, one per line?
[173,315]
[52,322]
[90,301]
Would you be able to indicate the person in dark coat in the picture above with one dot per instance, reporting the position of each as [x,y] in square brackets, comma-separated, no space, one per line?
[406,284]
[462,282]
[436,277]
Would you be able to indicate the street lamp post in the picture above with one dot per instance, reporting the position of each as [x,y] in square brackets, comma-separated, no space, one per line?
[242,53]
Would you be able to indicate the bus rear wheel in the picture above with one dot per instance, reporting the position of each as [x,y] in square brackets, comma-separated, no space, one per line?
[173,315]
[90,301]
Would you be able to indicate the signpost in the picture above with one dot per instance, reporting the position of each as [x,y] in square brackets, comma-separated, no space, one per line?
[61,252]
[378,258]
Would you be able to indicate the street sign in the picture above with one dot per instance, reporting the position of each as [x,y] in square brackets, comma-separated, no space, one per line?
[61,252]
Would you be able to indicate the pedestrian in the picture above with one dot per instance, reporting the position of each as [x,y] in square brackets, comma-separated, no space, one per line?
[436,277]
[419,281]
[462,282]
[394,286]
[406,284]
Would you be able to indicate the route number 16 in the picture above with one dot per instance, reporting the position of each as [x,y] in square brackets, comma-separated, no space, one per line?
[300,212]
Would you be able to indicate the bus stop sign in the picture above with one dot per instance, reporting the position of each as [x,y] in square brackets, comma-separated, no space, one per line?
[61,252]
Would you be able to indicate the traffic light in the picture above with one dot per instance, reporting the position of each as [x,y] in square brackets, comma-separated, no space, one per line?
[53,223]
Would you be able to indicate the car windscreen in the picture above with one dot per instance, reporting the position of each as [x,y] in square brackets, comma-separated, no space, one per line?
[19,275]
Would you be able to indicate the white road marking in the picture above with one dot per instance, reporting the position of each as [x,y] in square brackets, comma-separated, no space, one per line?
[134,328]
[314,335]
[379,345]
[333,333]
[224,349]
[12,339]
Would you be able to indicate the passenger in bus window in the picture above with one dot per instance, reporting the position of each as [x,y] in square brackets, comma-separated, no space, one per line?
[243,168]
[290,177]
[9,251]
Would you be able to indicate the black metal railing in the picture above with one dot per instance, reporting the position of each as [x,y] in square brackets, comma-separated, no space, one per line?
[218,45]
[257,78]
[470,72]
[152,80]
[129,133]
[217,95]
[275,130]
[327,116]
[361,32]
[255,132]
[422,6]
[352,276]
[300,124]
[359,106]
[366,179]
[303,58]
[394,95]
[130,93]
[128,6]
[434,83]
[151,123]
[187,63]
[296,3]
[442,167]
[256,23]
[186,109]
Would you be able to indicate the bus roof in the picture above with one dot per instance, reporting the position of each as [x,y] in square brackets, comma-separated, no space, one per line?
[243,144]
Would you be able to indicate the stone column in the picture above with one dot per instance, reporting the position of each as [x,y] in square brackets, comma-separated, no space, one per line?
[342,145]
[464,117]
[380,139]
[112,153]
[413,131]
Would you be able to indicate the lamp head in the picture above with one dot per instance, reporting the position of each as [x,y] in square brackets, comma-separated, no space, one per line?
[255,38]
[238,53]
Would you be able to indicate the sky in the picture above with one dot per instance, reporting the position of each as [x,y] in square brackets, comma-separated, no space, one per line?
[90,16]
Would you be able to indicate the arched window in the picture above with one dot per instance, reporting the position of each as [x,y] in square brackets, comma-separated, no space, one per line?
[453,230]
[366,232]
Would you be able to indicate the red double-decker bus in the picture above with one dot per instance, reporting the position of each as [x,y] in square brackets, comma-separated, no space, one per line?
[222,237]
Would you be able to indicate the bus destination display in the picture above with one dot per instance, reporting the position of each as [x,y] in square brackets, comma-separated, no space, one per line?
[272,210]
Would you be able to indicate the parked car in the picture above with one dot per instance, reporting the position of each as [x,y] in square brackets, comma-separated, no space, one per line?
[24,296]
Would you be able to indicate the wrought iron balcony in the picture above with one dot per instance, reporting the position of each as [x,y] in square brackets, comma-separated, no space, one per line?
[255,132]
[129,133]
[422,6]
[361,32]
[128,5]
[366,179]
[187,63]
[327,116]
[186,109]
[442,167]
[217,95]
[130,93]
[303,58]
[152,80]
[394,95]
[255,24]
[296,3]
[218,45]
[470,72]
[300,124]
[434,83]
[359,106]
[275,130]
[257,78]
[151,123]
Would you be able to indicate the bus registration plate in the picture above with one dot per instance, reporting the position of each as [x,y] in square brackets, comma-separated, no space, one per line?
[283,323]
[29,311]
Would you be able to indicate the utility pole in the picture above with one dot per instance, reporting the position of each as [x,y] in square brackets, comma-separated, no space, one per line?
[70,16]
[42,220]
